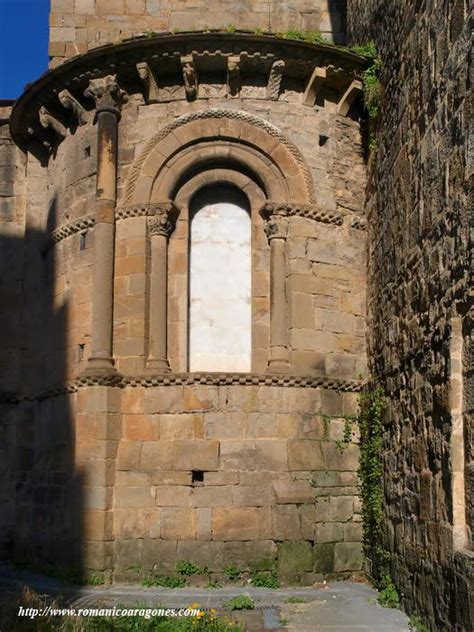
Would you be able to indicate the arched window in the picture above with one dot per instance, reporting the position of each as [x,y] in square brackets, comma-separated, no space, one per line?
[220,281]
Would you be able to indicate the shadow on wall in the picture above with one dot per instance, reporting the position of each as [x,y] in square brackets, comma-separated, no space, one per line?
[40,490]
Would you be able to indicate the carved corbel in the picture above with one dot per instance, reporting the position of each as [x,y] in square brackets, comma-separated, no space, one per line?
[314,85]
[71,103]
[149,82]
[348,98]
[233,75]
[190,77]
[48,121]
[106,93]
[275,79]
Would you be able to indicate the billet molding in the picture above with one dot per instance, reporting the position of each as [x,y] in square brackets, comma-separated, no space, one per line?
[116,380]
[186,379]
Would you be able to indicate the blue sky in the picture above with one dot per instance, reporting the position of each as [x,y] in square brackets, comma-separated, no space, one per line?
[23,44]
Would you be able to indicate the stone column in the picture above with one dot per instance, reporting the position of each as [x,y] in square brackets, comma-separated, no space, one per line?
[276,229]
[108,98]
[160,227]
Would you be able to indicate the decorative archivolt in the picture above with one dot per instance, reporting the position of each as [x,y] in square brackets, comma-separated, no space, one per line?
[239,129]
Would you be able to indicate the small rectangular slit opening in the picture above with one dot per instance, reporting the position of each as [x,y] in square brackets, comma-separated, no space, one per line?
[197,477]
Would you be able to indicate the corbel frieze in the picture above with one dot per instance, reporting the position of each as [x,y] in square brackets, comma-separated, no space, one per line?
[48,121]
[190,77]
[348,98]
[233,76]
[148,79]
[275,79]
[268,57]
[68,101]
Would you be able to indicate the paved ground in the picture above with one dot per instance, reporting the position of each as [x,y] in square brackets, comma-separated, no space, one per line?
[335,607]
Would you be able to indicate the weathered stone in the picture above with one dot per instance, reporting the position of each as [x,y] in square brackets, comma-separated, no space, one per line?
[293,492]
[347,556]
[251,556]
[324,558]
[341,508]
[173,496]
[208,555]
[285,522]
[211,496]
[159,555]
[178,523]
[328,532]
[305,455]
[196,455]
[128,553]
[294,559]
[204,523]
[243,523]
[251,495]
[137,523]
[134,497]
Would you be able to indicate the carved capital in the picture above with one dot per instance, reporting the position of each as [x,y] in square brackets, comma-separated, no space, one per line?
[276,227]
[106,94]
[71,103]
[160,224]
[48,121]
[162,219]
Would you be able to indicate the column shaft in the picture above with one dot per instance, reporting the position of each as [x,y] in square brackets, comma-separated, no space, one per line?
[158,315]
[108,97]
[104,241]
[276,228]
[279,356]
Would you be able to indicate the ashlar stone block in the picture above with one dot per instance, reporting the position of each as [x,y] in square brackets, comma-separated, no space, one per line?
[294,559]
[240,523]
[347,556]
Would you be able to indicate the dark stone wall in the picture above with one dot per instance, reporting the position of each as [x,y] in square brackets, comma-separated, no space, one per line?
[419,200]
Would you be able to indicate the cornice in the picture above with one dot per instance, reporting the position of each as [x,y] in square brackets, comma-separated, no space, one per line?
[140,63]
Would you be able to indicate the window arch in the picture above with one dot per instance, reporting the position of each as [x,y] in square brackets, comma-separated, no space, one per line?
[220,273]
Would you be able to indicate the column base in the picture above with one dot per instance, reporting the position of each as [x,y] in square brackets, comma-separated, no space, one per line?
[278,366]
[101,368]
[157,365]
[279,360]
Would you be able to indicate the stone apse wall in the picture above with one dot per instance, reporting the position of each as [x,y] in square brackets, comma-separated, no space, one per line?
[138,462]
[79,25]
[419,258]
